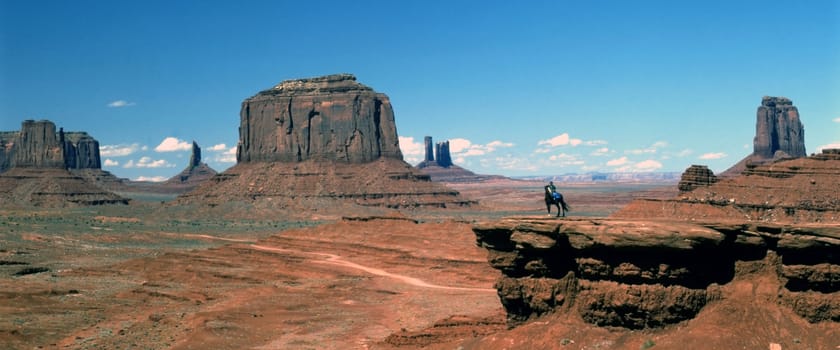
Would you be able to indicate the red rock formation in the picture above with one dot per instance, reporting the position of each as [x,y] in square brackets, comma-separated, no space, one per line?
[649,274]
[326,144]
[696,176]
[778,129]
[38,146]
[330,118]
[779,134]
[801,190]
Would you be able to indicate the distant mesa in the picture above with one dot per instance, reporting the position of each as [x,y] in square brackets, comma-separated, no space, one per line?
[320,143]
[42,167]
[438,165]
[779,134]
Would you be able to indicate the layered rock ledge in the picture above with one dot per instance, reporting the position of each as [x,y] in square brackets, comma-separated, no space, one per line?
[646,274]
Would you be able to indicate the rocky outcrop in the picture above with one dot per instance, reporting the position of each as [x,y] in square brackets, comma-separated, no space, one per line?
[778,129]
[696,176]
[329,118]
[646,274]
[327,144]
[801,190]
[779,135]
[38,145]
[194,174]
[444,159]
[81,151]
[430,156]
[7,142]
[51,169]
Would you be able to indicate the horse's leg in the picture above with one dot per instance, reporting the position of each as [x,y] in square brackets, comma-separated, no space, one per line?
[559,210]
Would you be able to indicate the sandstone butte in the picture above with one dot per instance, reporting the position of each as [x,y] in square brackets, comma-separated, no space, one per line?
[320,144]
[42,167]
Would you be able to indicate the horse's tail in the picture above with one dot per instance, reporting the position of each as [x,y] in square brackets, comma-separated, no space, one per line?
[563,204]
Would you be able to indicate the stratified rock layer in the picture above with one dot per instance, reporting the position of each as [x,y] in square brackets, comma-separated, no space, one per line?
[330,118]
[38,145]
[51,169]
[648,274]
[802,190]
[696,176]
[326,144]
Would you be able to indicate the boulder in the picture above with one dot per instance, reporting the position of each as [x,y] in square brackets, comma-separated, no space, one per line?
[696,176]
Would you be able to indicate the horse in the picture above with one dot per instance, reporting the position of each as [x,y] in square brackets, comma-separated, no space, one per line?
[557,199]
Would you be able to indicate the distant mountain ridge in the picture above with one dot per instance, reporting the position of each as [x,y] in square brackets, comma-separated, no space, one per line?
[662,177]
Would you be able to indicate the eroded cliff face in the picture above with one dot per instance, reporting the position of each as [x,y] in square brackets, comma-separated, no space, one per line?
[646,274]
[778,129]
[331,118]
[801,190]
[38,145]
[325,144]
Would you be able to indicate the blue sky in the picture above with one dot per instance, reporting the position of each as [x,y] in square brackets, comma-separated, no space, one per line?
[519,88]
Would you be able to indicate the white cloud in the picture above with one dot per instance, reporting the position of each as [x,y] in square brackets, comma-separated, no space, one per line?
[147,162]
[460,148]
[684,153]
[595,143]
[508,162]
[120,104]
[413,152]
[151,178]
[109,162]
[171,144]
[600,152]
[835,144]
[617,162]
[561,140]
[836,120]
[120,150]
[648,165]
[218,148]
[649,150]
[228,156]
[717,155]
[459,145]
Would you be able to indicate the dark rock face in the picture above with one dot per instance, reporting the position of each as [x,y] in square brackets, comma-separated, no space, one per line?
[440,158]
[330,118]
[195,157]
[81,151]
[648,274]
[194,174]
[696,176]
[38,146]
[443,157]
[779,135]
[430,156]
[7,142]
[778,129]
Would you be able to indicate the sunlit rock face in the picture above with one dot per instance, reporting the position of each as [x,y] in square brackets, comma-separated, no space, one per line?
[331,118]
[778,129]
